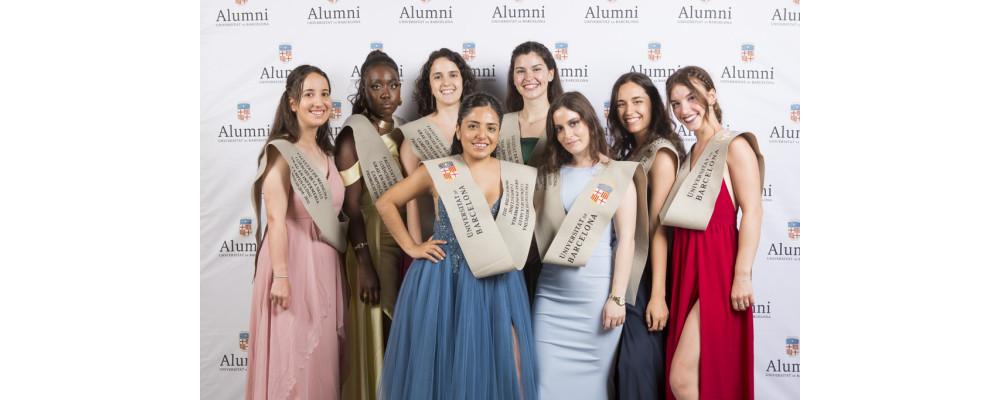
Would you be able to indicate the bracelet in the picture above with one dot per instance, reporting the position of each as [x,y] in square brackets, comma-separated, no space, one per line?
[279,276]
[360,246]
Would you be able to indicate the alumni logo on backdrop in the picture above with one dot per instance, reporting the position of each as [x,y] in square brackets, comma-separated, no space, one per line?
[767,194]
[787,249]
[569,73]
[657,75]
[761,310]
[422,13]
[786,17]
[241,16]
[786,365]
[336,112]
[607,109]
[243,111]
[705,14]
[246,227]
[469,51]
[759,75]
[276,73]
[377,46]
[235,358]
[241,245]
[517,14]
[654,51]
[321,15]
[781,134]
[562,51]
[610,12]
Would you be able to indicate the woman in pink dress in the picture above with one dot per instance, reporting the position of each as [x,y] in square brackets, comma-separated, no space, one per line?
[710,325]
[297,316]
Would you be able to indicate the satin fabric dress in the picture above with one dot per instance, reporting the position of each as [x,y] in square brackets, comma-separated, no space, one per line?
[704,263]
[368,330]
[301,352]
[575,352]
[451,336]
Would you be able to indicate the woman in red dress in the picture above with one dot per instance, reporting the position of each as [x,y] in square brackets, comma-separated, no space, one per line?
[710,326]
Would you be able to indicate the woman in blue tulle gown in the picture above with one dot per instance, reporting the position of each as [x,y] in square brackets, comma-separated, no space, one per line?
[455,336]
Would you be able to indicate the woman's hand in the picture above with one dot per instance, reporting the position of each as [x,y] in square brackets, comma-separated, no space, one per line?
[281,292]
[742,294]
[656,314]
[430,250]
[614,314]
[369,283]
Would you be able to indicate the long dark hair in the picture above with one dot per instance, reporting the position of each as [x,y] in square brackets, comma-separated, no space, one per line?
[476,100]
[687,76]
[286,124]
[660,124]
[422,93]
[514,100]
[555,155]
[374,58]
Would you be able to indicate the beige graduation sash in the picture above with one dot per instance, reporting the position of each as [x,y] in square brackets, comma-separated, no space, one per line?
[312,188]
[645,158]
[509,143]
[569,238]
[691,201]
[379,169]
[478,234]
[427,143]
[425,139]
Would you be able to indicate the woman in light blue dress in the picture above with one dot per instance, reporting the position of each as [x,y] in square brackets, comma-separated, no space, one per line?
[456,336]
[577,324]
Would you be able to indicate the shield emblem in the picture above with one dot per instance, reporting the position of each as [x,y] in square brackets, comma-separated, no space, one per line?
[243,111]
[333,1]
[601,193]
[792,346]
[377,46]
[793,229]
[285,53]
[448,170]
[654,51]
[246,227]
[562,50]
[241,2]
[336,110]
[244,340]
[469,51]
[607,109]
[795,113]
[746,52]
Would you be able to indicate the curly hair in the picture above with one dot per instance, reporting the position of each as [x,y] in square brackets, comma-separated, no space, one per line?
[426,104]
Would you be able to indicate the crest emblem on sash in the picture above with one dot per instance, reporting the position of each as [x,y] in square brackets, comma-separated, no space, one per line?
[336,110]
[241,2]
[246,227]
[243,111]
[792,346]
[562,51]
[654,51]
[448,170]
[376,46]
[795,113]
[469,51]
[793,229]
[607,109]
[244,340]
[746,52]
[601,193]
[285,52]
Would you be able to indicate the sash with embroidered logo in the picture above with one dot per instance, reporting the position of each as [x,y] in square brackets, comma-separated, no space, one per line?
[312,188]
[569,238]
[509,142]
[427,143]
[691,201]
[379,169]
[490,246]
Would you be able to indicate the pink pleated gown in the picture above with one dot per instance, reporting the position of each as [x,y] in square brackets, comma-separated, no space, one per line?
[301,352]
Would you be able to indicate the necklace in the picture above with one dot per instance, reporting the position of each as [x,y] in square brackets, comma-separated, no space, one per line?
[530,123]
[383,125]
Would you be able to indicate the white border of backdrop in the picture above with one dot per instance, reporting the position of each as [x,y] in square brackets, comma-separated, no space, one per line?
[241,64]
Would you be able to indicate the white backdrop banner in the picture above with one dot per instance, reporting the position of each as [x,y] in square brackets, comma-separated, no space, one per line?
[248,48]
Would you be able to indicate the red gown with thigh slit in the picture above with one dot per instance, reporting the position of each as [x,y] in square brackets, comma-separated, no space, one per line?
[703,270]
